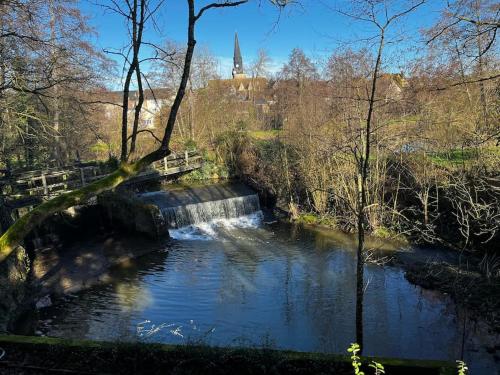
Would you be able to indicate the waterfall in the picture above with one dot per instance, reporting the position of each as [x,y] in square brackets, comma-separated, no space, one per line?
[205,212]
[200,213]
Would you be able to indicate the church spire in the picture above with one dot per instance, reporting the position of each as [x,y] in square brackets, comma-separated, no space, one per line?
[237,59]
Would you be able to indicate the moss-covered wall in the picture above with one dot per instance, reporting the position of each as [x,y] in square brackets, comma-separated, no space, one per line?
[131,213]
[113,358]
[13,287]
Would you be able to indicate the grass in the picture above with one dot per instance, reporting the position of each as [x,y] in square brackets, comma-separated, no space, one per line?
[264,135]
[315,219]
[459,156]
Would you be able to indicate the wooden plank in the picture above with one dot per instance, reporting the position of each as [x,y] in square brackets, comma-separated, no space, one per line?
[45,188]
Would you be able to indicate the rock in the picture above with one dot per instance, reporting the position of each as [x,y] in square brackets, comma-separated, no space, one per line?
[45,301]
[133,214]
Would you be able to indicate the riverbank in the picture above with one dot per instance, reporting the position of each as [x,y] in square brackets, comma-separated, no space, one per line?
[464,282]
[36,355]
[472,282]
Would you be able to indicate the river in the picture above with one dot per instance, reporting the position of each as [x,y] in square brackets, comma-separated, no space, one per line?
[237,281]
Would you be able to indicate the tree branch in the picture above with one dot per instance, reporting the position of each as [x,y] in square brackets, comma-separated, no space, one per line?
[226,3]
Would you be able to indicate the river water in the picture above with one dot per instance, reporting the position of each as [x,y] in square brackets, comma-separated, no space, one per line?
[240,282]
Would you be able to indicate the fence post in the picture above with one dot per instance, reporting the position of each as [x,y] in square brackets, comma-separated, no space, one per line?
[186,154]
[45,187]
[82,176]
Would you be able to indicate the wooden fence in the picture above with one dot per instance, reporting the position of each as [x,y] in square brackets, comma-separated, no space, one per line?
[50,182]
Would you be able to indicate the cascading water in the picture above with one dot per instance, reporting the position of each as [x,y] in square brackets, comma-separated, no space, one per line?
[200,221]
[231,208]
[197,213]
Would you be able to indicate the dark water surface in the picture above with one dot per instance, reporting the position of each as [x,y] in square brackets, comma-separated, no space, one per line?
[241,283]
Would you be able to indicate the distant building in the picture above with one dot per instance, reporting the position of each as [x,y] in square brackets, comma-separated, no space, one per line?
[154,101]
[244,88]
[392,86]
[238,72]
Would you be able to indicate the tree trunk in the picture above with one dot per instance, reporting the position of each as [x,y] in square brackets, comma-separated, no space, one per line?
[363,165]
[360,263]
[16,233]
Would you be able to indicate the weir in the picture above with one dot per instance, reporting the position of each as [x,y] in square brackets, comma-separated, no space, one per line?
[182,207]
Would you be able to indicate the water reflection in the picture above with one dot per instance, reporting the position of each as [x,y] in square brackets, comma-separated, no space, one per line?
[290,287]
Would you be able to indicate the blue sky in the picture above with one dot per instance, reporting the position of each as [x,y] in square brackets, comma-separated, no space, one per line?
[314,26]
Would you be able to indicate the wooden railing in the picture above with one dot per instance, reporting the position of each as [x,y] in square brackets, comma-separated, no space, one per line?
[49,182]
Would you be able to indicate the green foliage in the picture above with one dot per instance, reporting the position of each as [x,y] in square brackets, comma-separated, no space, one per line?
[120,357]
[311,218]
[452,157]
[378,367]
[463,155]
[308,218]
[209,171]
[462,368]
[264,134]
[387,233]
[99,147]
[355,359]
[356,362]
[209,155]
[190,145]
[382,232]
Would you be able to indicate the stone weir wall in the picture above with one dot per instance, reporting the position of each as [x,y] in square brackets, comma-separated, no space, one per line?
[127,211]
[181,206]
[57,264]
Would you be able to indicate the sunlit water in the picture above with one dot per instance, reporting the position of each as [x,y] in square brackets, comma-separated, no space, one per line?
[240,282]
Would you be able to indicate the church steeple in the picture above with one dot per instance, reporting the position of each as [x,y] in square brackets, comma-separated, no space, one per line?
[237,59]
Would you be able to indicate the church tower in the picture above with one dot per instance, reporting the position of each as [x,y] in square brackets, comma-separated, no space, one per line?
[237,60]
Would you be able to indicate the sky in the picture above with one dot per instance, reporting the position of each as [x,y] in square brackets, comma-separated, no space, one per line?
[313,26]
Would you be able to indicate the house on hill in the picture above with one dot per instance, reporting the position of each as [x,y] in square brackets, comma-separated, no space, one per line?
[154,101]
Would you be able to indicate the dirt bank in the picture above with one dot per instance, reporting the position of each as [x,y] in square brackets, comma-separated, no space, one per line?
[463,280]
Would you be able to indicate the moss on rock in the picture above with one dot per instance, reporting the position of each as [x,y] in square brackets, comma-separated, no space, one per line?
[13,286]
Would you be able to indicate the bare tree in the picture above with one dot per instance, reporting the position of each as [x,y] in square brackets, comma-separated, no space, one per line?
[381,15]
[260,67]
[299,68]
[16,233]
[474,23]
[46,64]
[467,29]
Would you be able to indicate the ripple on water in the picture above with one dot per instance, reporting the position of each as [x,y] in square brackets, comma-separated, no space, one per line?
[240,283]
